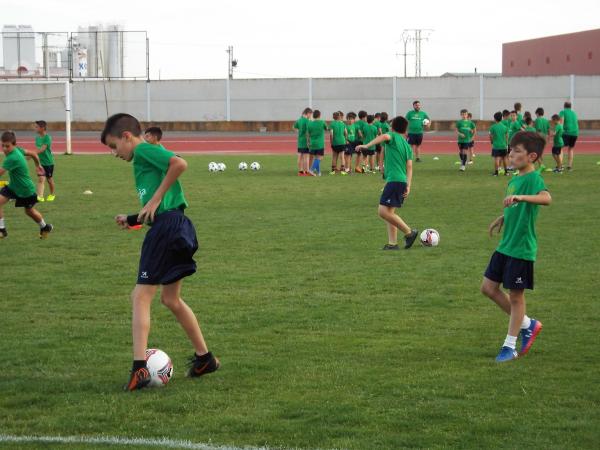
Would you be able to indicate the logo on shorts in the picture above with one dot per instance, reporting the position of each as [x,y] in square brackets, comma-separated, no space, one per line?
[389,200]
[144,275]
[519,280]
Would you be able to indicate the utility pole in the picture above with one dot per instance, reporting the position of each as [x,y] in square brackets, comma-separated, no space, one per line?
[406,38]
[418,38]
[232,63]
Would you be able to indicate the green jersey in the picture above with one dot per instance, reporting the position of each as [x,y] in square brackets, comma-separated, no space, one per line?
[301,125]
[531,129]
[520,119]
[514,128]
[415,121]
[338,127]
[506,123]
[377,124]
[359,125]
[150,165]
[570,123]
[46,158]
[18,171]
[519,239]
[351,129]
[370,133]
[396,154]
[467,128]
[542,126]
[316,132]
[385,128]
[499,133]
[558,136]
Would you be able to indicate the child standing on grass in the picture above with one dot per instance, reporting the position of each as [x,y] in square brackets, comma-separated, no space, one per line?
[464,133]
[369,133]
[359,125]
[303,152]
[472,143]
[558,143]
[20,188]
[542,126]
[571,131]
[351,142]
[43,144]
[398,162]
[316,131]
[338,141]
[498,136]
[512,262]
[168,248]
[378,147]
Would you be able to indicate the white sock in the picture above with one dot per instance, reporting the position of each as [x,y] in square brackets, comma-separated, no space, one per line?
[41,223]
[510,341]
[2,223]
[526,322]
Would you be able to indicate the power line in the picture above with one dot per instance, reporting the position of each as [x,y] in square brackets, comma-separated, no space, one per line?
[420,34]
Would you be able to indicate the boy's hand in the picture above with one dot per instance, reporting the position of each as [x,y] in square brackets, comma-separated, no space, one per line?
[121,220]
[461,135]
[406,192]
[511,200]
[496,224]
[39,170]
[359,147]
[146,215]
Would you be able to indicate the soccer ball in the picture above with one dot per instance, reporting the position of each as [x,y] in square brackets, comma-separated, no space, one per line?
[243,166]
[160,367]
[221,167]
[212,167]
[255,166]
[426,122]
[430,237]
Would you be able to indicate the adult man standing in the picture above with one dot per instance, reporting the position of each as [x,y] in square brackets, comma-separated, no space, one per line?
[571,127]
[417,121]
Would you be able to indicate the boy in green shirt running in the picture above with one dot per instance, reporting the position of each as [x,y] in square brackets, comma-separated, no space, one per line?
[398,164]
[43,144]
[168,248]
[338,141]
[571,126]
[464,132]
[316,132]
[498,139]
[301,125]
[558,143]
[512,262]
[20,188]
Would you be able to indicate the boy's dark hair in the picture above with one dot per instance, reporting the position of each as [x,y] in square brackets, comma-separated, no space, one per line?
[316,113]
[362,114]
[567,104]
[384,117]
[307,111]
[340,114]
[518,106]
[117,124]
[463,111]
[470,115]
[399,124]
[555,117]
[377,115]
[498,116]
[351,115]
[9,136]
[154,131]
[528,120]
[370,118]
[513,112]
[505,113]
[336,115]
[41,124]
[526,114]
[415,102]
[539,111]
[531,141]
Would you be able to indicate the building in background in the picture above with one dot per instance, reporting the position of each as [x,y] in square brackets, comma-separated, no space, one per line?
[565,54]
[18,50]
[98,52]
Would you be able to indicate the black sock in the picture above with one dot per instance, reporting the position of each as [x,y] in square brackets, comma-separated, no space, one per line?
[204,358]
[463,158]
[138,364]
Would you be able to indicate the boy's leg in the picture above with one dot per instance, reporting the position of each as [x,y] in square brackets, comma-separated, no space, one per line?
[571,153]
[334,160]
[300,162]
[392,234]
[51,184]
[491,289]
[40,186]
[389,215]
[517,311]
[141,300]
[3,201]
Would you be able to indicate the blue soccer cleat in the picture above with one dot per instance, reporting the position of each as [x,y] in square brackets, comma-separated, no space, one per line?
[528,336]
[506,354]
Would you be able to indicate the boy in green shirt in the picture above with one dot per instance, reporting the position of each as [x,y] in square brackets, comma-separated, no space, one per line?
[472,143]
[20,188]
[338,141]
[498,139]
[464,133]
[43,144]
[359,125]
[571,126]
[352,141]
[369,133]
[513,128]
[169,245]
[506,118]
[542,126]
[153,135]
[518,108]
[378,147]
[558,143]
[397,160]
[316,132]
[301,125]
[512,262]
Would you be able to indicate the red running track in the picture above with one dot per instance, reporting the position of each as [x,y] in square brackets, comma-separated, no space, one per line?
[278,144]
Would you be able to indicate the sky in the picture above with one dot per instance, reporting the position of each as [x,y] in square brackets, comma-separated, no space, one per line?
[188,39]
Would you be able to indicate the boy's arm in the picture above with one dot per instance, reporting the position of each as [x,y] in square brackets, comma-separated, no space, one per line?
[378,140]
[543,198]
[496,224]
[177,166]
[2,171]
[491,138]
[34,156]
[409,170]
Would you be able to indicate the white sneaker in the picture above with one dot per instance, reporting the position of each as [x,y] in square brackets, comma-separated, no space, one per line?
[462,168]
[470,162]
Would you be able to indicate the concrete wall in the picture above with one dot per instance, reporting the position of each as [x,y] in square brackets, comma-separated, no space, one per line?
[283,99]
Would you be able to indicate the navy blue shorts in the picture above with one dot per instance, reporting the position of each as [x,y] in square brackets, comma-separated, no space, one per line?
[303,150]
[463,146]
[367,152]
[499,152]
[350,148]
[393,194]
[48,171]
[318,152]
[338,148]
[168,249]
[569,140]
[415,139]
[513,273]
[378,148]
[20,202]
[556,150]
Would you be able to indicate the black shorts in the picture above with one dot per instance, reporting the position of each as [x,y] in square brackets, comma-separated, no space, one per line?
[513,273]
[378,148]
[463,146]
[318,152]
[20,202]
[168,249]
[302,151]
[556,150]
[498,152]
[48,171]
[471,144]
[393,194]
[415,139]
[367,152]
[338,148]
[350,148]
[569,140]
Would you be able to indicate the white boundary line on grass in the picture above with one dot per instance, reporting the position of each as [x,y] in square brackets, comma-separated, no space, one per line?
[115,440]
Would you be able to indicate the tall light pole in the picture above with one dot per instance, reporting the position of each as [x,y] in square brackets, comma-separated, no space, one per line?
[418,38]
[231,63]
[406,38]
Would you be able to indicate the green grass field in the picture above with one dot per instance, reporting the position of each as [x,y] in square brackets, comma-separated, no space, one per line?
[325,340]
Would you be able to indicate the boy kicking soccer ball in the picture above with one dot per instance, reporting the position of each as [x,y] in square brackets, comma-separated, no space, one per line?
[398,163]
[169,245]
[20,188]
[512,262]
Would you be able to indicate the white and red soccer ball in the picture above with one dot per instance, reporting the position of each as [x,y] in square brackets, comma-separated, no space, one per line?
[430,237]
[160,367]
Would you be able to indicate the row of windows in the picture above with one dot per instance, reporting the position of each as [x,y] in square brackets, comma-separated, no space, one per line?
[568,59]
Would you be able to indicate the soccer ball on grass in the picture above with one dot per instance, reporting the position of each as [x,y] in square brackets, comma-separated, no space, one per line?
[430,237]
[160,367]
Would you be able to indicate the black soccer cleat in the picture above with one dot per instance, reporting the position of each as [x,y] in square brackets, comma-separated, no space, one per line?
[138,379]
[202,365]
[390,247]
[411,238]
[3,233]
[45,231]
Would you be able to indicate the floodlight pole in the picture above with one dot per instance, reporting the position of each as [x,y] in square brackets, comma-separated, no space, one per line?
[69,150]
